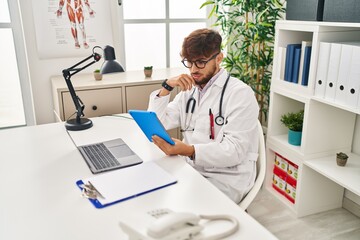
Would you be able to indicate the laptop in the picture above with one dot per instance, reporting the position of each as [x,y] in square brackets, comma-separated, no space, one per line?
[108,155]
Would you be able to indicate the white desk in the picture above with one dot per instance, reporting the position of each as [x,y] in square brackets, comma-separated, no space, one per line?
[40,200]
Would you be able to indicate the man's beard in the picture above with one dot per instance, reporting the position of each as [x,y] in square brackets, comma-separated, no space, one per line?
[206,79]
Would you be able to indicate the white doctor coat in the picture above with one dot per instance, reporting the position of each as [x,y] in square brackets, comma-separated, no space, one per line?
[228,160]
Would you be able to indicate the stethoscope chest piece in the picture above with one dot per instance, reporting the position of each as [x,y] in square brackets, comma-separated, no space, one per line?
[219,120]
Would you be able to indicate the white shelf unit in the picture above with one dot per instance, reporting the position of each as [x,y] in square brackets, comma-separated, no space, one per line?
[328,127]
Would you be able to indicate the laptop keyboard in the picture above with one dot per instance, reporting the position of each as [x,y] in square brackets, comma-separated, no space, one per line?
[100,156]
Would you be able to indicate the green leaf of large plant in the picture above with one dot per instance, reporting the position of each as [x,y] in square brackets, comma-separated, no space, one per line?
[248,29]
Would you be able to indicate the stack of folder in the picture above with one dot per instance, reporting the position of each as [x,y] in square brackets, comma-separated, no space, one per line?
[338,73]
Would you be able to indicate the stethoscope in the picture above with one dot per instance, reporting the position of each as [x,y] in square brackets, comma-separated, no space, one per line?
[190,107]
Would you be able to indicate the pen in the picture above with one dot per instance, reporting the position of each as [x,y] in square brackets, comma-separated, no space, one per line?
[212,135]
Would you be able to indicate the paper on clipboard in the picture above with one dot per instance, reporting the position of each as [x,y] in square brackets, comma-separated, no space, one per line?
[126,183]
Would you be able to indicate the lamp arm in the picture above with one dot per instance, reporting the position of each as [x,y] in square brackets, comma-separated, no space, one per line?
[67,73]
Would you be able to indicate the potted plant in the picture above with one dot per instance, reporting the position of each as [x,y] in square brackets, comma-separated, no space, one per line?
[294,122]
[148,71]
[97,74]
[341,158]
[248,30]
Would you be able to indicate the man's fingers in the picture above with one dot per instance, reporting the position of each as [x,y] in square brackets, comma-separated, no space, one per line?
[163,145]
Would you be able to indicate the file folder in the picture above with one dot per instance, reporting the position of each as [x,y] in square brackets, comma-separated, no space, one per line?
[289,63]
[343,76]
[306,68]
[304,44]
[126,183]
[333,70]
[322,69]
[352,94]
[296,67]
[281,56]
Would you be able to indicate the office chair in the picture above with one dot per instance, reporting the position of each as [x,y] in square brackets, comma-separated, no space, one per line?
[260,172]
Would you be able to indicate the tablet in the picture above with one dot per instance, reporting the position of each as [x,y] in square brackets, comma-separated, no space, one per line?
[150,125]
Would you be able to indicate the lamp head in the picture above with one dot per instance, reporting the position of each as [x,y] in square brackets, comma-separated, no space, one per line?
[110,65]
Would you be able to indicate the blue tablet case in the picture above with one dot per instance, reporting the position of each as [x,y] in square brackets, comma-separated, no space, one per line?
[150,125]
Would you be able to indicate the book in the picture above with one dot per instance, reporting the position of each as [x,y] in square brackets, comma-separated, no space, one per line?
[306,66]
[281,62]
[289,62]
[304,44]
[296,66]
[282,66]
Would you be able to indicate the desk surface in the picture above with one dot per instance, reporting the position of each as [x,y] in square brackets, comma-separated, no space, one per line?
[40,200]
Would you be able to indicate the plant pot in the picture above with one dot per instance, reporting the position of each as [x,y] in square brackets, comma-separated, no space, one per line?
[341,161]
[97,76]
[148,72]
[341,158]
[294,138]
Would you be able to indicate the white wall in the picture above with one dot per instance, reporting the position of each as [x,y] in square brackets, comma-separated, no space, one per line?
[355,149]
[42,70]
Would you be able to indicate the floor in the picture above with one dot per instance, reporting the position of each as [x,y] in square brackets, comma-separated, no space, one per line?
[337,224]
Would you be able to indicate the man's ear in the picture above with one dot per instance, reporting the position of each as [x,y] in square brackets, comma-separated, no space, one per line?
[219,58]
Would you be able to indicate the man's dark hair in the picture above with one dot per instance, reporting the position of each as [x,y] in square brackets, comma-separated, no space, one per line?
[201,43]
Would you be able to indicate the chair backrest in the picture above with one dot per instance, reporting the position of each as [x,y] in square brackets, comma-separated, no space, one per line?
[260,172]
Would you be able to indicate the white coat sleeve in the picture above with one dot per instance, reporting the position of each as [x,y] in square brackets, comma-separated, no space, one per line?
[168,113]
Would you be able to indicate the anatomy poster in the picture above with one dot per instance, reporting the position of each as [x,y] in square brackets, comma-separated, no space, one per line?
[71,28]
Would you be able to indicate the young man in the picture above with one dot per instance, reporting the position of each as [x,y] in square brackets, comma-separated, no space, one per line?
[217,115]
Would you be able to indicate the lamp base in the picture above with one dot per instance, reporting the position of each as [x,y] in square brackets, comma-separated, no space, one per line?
[74,125]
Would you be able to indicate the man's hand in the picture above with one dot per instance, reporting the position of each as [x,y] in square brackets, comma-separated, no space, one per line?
[183,81]
[179,148]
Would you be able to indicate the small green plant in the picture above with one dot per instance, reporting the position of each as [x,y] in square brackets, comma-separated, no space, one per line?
[342,155]
[96,70]
[293,121]
[148,67]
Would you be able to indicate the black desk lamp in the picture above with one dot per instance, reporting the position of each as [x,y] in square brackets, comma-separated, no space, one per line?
[110,65]
[79,123]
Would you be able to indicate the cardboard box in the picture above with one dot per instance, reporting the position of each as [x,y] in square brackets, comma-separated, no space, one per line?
[279,180]
[281,162]
[290,189]
[305,10]
[292,170]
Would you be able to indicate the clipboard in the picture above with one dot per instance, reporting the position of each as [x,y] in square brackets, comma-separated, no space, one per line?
[124,184]
[150,125]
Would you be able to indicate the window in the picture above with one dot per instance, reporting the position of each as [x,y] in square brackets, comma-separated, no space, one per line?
[14,91]
[154,30]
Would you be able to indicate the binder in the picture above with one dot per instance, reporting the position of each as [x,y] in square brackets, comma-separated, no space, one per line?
[282,66]
[296,67]
[322,69]
[344,69]
[333,70]
[304,44]
[281,63]
[289,63]
[306,67]
[123,184]
[353,86]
